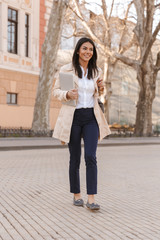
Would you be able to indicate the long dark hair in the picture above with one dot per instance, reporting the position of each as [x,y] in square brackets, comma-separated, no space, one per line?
[92,66]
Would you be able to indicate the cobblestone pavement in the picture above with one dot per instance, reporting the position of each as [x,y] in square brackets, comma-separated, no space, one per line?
[35,202]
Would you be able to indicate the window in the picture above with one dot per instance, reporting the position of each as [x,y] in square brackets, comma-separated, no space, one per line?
[12,98]
[12,30]
[26,35]
[124,88]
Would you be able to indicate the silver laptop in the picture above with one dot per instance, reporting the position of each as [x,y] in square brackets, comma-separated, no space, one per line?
[67,83]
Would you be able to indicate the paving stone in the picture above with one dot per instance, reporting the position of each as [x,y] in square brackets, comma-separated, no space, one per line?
[34,186]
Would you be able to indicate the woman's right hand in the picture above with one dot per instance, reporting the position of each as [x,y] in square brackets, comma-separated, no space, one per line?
[72,94]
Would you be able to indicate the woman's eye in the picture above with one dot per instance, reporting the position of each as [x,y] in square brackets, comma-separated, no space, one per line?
[89,49]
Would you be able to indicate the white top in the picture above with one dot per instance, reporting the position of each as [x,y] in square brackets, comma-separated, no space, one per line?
[85,91]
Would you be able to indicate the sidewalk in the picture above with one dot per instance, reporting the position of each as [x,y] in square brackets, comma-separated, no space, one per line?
[36,203]
[50,143]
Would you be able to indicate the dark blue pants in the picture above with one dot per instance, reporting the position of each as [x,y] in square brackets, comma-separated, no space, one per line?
[84,125]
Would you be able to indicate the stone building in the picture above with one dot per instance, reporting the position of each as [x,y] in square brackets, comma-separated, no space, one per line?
[23,24]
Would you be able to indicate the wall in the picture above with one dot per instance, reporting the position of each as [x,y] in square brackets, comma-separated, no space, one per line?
[19,61]
[19,74]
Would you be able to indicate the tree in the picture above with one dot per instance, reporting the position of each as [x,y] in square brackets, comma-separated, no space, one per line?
[48,67]
[145,67]
[102,29]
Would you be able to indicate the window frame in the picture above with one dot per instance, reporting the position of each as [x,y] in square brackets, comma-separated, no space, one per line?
[27,35]
[15,23]
[10,102]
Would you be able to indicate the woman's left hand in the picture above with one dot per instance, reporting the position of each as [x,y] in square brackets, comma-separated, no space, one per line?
[100,84]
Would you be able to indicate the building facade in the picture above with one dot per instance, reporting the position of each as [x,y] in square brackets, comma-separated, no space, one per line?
[23,24]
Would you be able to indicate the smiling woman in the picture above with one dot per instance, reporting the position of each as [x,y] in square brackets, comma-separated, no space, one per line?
[85,55]
[84,120]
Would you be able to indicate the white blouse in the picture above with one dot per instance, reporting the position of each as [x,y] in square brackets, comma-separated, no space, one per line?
[85,91]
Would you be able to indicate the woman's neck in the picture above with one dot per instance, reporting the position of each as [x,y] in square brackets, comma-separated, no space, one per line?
[83,64]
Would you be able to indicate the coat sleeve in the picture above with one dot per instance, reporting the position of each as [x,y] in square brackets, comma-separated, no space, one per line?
[57,92]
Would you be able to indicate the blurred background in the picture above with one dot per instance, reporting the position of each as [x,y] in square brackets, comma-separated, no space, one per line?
[23,26]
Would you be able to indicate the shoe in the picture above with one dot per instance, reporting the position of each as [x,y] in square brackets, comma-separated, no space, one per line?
[93,206]
[78,202]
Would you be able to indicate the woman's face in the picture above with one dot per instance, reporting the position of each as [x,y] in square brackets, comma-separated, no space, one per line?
[85,52]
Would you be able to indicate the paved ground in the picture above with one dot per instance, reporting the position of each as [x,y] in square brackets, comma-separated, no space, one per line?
[35,202]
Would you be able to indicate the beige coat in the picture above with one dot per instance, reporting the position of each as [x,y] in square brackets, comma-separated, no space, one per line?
[64,122]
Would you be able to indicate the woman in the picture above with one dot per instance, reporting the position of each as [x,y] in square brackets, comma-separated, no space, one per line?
[85,120]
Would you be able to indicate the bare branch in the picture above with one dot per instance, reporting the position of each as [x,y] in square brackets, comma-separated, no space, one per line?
[125,19]
[129,45]
[78,15]
[104,7]
[111,9]
[157,5]
[105,15]
[157,65]
[132,17]
[107,39]
[88,29]
[90,3]
[74,34]
[139,29]
[149,17]
[70,36]
[129,6]
[130,62]
[150,43]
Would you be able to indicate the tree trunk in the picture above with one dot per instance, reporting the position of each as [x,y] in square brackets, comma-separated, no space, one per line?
[108,73]
[147,81]
[41,118]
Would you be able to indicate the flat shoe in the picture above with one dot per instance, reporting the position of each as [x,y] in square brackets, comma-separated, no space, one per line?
[93,206]
[78,202]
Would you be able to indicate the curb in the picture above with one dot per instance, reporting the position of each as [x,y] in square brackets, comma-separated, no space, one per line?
[59,146]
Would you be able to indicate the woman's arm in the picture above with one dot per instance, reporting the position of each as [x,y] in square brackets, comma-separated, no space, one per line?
[63,95]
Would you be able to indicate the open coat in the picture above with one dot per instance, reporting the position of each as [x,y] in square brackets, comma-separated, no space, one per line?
[63,124]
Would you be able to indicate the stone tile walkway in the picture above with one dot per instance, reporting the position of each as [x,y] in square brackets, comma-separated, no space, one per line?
[35,202]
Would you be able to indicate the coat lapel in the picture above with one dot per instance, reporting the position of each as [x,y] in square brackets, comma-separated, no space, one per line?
[75,79]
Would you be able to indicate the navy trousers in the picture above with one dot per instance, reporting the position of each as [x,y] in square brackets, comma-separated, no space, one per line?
[84,125]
